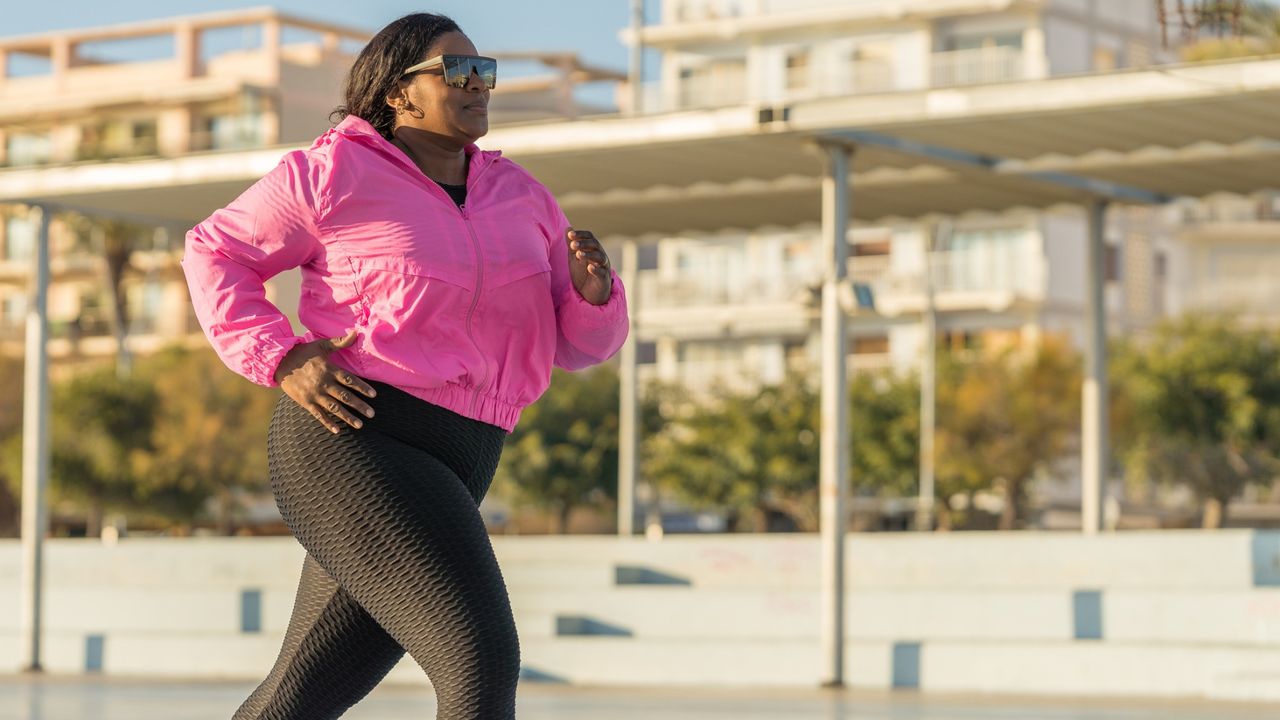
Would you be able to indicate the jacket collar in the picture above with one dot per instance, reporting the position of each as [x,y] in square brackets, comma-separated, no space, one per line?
[360,130]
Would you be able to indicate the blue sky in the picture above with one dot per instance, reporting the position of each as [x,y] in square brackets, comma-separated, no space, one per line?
[589,27]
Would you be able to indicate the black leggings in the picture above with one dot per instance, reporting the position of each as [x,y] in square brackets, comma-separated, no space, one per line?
[398,560]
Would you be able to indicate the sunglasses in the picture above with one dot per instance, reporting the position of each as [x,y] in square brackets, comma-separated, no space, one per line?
[458,69]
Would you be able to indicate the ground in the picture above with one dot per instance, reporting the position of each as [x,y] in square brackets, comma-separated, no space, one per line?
[88,698]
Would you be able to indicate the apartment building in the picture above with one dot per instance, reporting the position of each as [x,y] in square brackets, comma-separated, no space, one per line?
[1229,257]
[170,89]
[999,280]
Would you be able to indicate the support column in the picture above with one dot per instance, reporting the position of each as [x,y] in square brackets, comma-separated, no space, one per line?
[1094,425]
[628,410]
[61,54]
[186,41]
[1035,58]
[928,375]
[834,446]
[635,78]
[35,450]
[271,40]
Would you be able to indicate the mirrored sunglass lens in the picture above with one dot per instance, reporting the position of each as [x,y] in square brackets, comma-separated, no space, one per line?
[458,71]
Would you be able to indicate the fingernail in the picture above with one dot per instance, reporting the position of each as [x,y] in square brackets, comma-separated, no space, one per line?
[359,424]
[368,413]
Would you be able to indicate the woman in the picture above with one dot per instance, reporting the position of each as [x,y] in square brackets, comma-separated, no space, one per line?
[441,283]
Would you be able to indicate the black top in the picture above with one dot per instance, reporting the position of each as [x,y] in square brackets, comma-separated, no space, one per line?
[457,192]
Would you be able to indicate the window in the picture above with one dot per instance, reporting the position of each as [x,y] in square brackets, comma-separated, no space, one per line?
[647,256]
[798,70]
[869,249]
[29,149]
[118,138]
[646,353]
[871,67]
[984,40]
[1111,263]
[15,309]
[148,299]
[1105,58]
[234,132]
[871,345]
[19,239]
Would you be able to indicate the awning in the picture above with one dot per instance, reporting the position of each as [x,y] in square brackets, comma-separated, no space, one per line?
[1190,130]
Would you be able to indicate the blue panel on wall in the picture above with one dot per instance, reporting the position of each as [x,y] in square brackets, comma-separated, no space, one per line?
[94,649]
[1087,608]
[1266,559]
[583,625]
[251,611]
[639,575]
[906,665]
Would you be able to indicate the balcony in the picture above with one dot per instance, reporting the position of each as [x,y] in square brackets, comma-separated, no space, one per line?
[978,66]
[963,280]
[716,87]
[1252,298]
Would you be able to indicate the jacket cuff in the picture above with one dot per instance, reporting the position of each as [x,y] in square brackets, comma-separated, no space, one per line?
[588,316]
[261,363]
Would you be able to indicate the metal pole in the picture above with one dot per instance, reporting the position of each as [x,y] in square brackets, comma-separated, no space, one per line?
[928,376]
[628,410]
[635,76]
[35,450]
[1094,422]
[834,448]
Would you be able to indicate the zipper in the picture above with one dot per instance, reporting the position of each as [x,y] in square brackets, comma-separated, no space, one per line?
[435,189]
[475,300]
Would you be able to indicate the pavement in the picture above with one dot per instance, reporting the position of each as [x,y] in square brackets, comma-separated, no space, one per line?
[80,697]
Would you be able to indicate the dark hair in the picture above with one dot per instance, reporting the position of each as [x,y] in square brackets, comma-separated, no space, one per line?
[380,64]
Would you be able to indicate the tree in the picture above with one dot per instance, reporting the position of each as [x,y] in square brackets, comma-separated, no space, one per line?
[751,454]
[1201,402]
[11,391]
[114,241]
[564,452]
[884,423]
[1220,29]
[210,438]
[101,433]
[1004,417]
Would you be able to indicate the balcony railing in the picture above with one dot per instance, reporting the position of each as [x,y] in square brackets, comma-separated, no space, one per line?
[658,292]
[978,66]
[1249,296]
[959,273]
[948,69]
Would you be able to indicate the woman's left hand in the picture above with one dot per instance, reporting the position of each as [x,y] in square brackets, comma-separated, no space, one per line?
[589,267]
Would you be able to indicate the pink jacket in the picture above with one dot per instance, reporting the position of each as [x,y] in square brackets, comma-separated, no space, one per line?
[465,308]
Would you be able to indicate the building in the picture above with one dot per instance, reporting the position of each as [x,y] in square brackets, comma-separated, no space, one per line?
[177,88]
[732,305]
[1228,258]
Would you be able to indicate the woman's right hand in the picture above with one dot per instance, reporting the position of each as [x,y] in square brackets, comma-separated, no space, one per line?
[323,388]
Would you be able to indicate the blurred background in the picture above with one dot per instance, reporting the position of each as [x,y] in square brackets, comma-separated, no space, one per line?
[1033,387]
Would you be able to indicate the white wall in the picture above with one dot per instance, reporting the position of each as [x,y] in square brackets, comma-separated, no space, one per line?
[1170,613]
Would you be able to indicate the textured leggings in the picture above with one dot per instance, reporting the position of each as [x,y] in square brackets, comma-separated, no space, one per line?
[398,560]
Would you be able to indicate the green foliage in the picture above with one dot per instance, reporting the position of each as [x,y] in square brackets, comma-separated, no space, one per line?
[1259,34]
[1002,418]
[564,452]
[11,389]
[156,446]
[884,424]
[1199,403]
[101,434]
[747,453]
[210,438]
